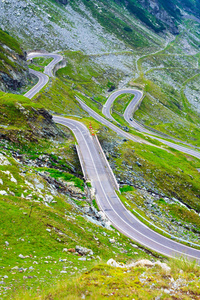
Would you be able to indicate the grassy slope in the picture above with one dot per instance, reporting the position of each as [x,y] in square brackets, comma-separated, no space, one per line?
[62,216]
[164,76]
[79,73]
[143,283]
[25,217]
[7,61]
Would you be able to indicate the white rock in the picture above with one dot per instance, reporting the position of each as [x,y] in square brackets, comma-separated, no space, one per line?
[144,263]
[11,176]
[3,193]
[13,179]
[49,230]
[82,258]
[164,266]
[113,263]
[7,243]
[1,181]
[112,241]
[3,160]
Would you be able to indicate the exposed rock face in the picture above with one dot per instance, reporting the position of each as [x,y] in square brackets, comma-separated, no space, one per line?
[161,14]
[13,68]
[64,2]
[165,14]
[30,124]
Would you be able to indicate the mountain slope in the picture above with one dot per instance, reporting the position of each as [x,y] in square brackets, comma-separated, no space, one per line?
[13,67]
[93,26]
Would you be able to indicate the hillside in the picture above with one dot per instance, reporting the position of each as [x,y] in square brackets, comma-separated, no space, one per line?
[94,26]
[13,67]
[55,243]
[46,206]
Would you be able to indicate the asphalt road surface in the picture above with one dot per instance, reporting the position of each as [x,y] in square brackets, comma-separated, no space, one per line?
[109,202]
[43,80]
[48,70]
[128,116]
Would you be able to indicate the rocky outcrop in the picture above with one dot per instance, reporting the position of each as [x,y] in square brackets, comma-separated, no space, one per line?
[161,13]
[26,123]
[13,67]
[140,263]
[156,14]
[64,2]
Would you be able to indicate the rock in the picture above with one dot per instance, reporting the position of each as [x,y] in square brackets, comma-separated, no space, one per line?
[164,266]
[64,2]
[3,160]
[83,250]
[65,250]
[22,256]
[133,245]
[3,193]
[144,263]
[7,243]
[82,258]
[112,241]
[63,272]
[49,230]
[15,268]
[113,263]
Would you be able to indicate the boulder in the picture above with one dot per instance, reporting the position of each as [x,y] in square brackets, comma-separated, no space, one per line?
[83,250]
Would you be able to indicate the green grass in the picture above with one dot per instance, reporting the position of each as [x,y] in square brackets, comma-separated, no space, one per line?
[167,172]
[161,111]
[66,177]
[171,172]
[104,281]
[94,203]
[126,188]
[28,236]
[6,39]
[42,61]
[164,76]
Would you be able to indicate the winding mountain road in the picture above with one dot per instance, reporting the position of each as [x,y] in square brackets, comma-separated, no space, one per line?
[95,169]
[43,77]
[128,116]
